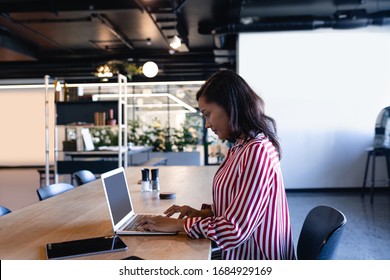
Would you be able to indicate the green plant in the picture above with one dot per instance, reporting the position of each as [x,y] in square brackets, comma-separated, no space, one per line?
[184,137]
[135,134]
[159,137]
[125,68]
[104,136]
[164,139]
[189,134]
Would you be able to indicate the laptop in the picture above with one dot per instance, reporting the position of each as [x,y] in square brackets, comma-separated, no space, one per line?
[120,206]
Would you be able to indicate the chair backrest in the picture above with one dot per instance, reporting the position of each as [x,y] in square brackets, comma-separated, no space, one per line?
[53,190]
[83,176]
[320,234]
[4,210]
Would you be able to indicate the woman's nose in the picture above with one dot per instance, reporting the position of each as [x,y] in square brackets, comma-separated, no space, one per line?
[208,125]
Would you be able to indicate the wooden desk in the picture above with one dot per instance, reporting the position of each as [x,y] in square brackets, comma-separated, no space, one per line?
[83,213]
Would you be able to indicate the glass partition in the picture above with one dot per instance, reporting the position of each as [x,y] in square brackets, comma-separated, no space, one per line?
[161,115]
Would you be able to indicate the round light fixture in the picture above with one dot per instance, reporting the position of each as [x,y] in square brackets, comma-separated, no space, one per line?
[150,69]
[175,42]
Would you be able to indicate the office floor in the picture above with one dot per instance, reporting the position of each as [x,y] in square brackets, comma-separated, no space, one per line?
[18,187]
[367,232]
[366,236]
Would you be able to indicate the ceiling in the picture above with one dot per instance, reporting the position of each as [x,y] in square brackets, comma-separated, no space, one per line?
[69,40]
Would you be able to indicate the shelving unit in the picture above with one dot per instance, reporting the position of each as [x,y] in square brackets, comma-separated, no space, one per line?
[47,138]
[167,102]
[80,114]
[122,121]
[83,111]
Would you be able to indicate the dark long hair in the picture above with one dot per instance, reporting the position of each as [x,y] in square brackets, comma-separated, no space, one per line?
[243,106]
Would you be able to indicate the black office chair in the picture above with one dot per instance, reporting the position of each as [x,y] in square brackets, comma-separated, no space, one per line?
[53,190]
[4,210]
[83,176]
[320,234]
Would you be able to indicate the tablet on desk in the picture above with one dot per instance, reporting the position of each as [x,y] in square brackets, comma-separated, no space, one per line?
[84,247]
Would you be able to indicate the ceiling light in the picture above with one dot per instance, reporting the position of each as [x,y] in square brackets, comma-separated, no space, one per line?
[113,96]
[175,42]
[246,20]
[150,69]
[57,85]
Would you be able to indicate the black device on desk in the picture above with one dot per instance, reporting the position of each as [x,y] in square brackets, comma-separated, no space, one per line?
[84,247]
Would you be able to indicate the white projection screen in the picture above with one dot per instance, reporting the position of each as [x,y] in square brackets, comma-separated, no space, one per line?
[325,89]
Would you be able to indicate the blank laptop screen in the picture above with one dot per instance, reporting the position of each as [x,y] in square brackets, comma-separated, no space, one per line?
[119,200]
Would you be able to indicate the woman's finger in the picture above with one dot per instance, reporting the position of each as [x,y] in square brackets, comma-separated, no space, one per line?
[181,216]
[171,209]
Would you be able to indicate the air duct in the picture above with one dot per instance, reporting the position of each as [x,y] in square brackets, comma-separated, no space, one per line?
[340,20]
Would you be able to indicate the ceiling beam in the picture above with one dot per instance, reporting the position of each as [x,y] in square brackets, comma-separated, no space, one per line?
[33,31]
[113,29]
[11,42]
[55,6]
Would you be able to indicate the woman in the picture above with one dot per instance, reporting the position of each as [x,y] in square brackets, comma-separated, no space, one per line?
[249,218]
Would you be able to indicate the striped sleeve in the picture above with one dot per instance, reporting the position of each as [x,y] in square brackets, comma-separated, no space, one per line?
[251,218]
[246,209]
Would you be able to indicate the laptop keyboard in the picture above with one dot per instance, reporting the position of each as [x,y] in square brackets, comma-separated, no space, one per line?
[134,224]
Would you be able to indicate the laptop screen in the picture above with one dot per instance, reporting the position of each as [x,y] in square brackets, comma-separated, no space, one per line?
[118,196]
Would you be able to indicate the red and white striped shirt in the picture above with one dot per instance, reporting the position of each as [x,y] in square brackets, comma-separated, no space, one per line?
[251,218]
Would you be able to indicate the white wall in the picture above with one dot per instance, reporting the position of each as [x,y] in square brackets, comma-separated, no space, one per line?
[325,90]
[22,137]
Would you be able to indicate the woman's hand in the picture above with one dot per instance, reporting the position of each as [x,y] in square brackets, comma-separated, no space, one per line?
[187,211]
[161,223]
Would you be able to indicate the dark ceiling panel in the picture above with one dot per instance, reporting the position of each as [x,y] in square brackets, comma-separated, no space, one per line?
[55,6]
[11,55]
[69,40]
